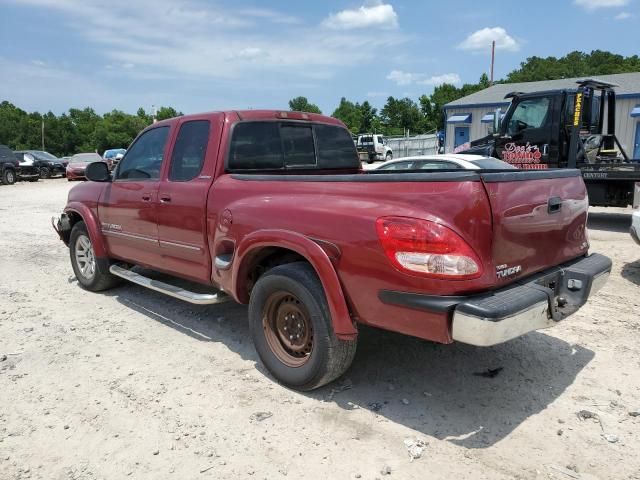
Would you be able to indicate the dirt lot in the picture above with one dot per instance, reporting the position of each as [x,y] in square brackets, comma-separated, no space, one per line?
[132,384]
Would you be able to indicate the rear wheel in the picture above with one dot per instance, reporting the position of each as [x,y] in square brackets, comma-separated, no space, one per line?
[45,172]
[92,274]
[8,176]
[291,328]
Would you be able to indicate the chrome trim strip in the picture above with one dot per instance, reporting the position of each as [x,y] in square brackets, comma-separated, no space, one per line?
[183,245]
[171,290]
[129,235]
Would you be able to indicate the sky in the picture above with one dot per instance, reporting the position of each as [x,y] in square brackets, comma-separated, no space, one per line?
[203,55]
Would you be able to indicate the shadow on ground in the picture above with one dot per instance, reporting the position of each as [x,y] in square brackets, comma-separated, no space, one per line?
[609,222]
[447,397]
[631,272]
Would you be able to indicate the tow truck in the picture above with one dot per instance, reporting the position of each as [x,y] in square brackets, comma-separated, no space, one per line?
[567,128]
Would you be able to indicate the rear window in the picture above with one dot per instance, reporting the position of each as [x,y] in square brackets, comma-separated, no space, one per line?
[7,154]
[281,146]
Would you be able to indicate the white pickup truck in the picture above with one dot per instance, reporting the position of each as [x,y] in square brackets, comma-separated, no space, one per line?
[372,147]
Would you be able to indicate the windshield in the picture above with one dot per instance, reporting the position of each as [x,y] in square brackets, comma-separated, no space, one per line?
[493,164]
[43,155]
[85,158]
[529,113]
[113,153]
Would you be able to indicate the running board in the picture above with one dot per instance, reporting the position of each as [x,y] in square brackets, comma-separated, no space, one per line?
[171,290]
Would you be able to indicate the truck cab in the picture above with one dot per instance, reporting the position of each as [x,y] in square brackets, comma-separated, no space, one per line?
[568,128]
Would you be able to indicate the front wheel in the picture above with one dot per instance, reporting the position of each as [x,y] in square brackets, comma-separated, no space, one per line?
[388,157]
[8,176]
[92,273]
[291,328]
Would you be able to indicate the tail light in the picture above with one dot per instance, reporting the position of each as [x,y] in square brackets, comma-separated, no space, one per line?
[428,248]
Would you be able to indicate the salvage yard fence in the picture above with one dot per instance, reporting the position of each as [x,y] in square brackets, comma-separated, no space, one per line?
[417,145]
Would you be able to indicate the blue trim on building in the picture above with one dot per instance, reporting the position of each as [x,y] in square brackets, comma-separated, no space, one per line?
[460,118]
[478,105]
[635,112]
[628,95]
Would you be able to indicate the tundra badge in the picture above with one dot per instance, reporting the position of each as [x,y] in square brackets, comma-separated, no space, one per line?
[504,271]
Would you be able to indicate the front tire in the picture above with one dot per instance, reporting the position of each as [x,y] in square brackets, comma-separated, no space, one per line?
[9,176]
[92,273]
[388,157]
[291,328]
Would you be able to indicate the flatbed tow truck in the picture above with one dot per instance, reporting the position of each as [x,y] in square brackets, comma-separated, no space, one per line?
[568,128]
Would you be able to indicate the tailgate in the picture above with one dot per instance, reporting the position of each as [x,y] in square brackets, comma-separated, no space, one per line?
[539,220]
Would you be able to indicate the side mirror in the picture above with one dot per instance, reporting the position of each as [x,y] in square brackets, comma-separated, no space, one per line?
[98,172]
[496,121]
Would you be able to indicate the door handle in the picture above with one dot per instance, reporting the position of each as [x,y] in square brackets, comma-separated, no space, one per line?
[554,205]
[146,197]
[165,198]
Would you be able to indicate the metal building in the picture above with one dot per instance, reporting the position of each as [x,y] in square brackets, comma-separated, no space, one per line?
[470,117]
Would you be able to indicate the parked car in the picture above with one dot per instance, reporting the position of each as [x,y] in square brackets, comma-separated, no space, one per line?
[27,169]
[48,165]
[272,209]
[372,147]
[113,156]
[446,162]
[78,163]
[9,165]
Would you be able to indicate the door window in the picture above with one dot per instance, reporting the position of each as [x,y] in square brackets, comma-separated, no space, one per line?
[530,113]
[144,159]
[189,151]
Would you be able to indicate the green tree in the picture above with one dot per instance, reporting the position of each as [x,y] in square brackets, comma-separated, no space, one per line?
[301,104]
[164,113]
[399,115]
[367,117]
[349,114]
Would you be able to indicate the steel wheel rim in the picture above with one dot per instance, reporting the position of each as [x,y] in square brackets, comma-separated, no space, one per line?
[10,177]
[288,329]
[85,258]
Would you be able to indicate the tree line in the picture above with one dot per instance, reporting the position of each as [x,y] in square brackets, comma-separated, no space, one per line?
[84,130]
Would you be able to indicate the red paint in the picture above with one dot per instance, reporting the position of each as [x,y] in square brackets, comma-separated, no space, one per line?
[332,225]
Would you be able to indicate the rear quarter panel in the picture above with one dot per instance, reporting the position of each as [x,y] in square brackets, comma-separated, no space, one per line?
[344,214]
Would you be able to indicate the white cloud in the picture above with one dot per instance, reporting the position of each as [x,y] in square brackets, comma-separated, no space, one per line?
[198,40]
[622,16]
[595,4]
[480,41]
[380,16]
[407,78]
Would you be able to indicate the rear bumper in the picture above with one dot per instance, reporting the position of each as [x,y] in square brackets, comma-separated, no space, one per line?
[635,226]
[538,302]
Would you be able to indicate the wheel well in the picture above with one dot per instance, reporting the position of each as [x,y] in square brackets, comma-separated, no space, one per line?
[259,263]
[72,218]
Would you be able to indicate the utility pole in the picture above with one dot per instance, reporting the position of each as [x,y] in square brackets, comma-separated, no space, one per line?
[154,112]
[493,59]
[43,134]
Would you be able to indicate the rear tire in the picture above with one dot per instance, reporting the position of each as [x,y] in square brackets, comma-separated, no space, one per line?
[45,172]
[92,273]
[8,176]
[291,328]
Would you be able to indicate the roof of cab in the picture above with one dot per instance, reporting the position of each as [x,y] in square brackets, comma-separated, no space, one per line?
[240,115]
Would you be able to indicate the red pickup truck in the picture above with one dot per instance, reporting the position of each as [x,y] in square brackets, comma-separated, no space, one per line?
[272,209]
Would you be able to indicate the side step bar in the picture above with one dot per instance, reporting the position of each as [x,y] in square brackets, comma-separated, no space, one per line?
[171,290]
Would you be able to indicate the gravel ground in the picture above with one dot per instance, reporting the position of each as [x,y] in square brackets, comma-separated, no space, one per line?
[130,383]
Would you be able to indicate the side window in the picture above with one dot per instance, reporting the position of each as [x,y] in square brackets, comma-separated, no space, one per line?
[189,151]
[144,159]
[529,114]
[256,146]
[297,144]
[380,140]
[335,148]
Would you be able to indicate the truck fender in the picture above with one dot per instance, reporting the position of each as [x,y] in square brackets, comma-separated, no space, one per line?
[343,327]
[93,227]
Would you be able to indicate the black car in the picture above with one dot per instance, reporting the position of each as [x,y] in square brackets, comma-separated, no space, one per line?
[8,166]
[47,164]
